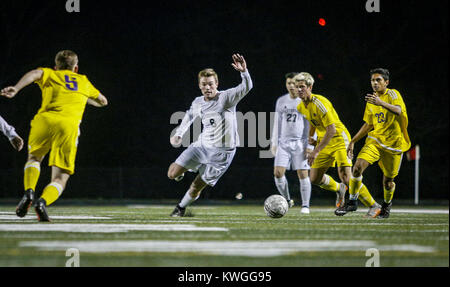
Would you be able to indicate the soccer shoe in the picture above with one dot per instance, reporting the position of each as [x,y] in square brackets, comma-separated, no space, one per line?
[178,211]
[374,211]
[41,210]
[304,210]
[179,178]
[25,203]
[340,195]
[291,203]
[349,206]
[385,210]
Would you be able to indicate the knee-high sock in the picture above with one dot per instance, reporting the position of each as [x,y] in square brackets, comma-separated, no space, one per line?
[52,192]
[358,190]
[283,187]
[389,194]
[187,200]
[31,174]
[330,184]
[305,191]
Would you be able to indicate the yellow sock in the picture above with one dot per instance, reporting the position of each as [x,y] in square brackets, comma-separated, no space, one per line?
[365,196]
[354,185]
[389,194]
[52,192]
[32,171]
[329,184]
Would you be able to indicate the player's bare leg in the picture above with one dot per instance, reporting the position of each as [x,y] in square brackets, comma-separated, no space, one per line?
[31,175]
[191,195]
[176,172]
[282,184]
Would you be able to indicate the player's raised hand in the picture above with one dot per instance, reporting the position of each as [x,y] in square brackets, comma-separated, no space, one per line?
[17,143]
[373,99]
[9,92]
[239,63]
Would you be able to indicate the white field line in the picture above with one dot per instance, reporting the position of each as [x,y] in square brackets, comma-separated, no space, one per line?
[227,248]
[105,228]
[34,217]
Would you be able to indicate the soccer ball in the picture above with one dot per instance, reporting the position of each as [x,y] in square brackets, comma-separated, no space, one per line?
[276,206]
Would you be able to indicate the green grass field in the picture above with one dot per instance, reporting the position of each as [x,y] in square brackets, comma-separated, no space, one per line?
[223,235]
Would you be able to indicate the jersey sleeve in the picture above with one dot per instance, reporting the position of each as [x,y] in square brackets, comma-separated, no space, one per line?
[327,116]
[7,130]
[368,115]
[276,125]
[234,95]
[45,75]
[92,91]
[188,119]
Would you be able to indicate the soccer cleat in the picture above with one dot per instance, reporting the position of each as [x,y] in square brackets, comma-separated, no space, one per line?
[25,203]
[340,195]
[385,210]
[178,211]
[179,178]
[41,210]
[374,211]
[304,210]
[291,203]
[349,206]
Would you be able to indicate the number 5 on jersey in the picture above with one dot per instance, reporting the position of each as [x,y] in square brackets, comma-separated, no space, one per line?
[71,83]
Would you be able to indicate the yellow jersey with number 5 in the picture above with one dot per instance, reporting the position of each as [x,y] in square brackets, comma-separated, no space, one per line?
[389,130]
[65,93]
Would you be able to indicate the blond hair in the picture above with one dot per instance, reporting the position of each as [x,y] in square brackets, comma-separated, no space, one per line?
[305,77]
[208,73]
[66,60]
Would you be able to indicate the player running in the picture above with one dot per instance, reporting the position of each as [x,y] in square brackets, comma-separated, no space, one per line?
[386,123]
[212,153]
[332,140]
[55,127]
[10,132]
[289,144]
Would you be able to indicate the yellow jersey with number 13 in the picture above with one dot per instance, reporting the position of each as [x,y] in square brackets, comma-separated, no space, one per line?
[389,130]
[65,93]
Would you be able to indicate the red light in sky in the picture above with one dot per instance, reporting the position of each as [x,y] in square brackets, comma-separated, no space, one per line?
[322,22]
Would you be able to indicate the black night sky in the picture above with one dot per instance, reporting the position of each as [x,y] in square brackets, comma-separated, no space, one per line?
[144,56]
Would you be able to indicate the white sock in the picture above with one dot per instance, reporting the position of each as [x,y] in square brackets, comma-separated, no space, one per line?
[283,187]
[305,191]
[187,199]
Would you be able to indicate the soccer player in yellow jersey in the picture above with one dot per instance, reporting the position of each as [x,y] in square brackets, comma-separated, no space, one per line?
[332,140]
[55,128]
[386,123]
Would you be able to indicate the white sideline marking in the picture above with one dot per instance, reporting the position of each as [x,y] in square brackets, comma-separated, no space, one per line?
[32,216]
[227,248]
[105,228]
[398,210]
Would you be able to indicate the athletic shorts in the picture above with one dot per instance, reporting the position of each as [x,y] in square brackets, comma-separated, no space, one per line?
[57,135]
[388,161]
[211,163]
[334,153]
[291,155]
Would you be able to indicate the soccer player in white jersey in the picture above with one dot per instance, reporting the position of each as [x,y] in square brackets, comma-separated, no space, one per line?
[10,132]
[289,145]
[212,153]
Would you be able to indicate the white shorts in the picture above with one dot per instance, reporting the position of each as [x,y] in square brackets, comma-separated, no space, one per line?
[291,155]
[211,163]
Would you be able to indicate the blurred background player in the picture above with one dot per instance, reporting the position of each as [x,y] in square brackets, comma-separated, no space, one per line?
[386,123]
[212,153]
[332,140]
[55,127]
[10,132]
[289,144]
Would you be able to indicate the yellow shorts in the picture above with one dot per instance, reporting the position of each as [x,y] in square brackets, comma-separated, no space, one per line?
[334,152]
[388,161]
[55,134]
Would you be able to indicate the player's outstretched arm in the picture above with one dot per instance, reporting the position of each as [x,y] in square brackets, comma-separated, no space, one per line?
[27,79]
[99,102]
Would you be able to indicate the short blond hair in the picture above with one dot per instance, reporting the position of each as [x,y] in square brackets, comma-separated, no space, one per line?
[66,60]
[208,73]
[305,77]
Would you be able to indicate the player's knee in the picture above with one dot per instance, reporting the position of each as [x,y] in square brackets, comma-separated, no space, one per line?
[278,173]
[357,171]
[316,180]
